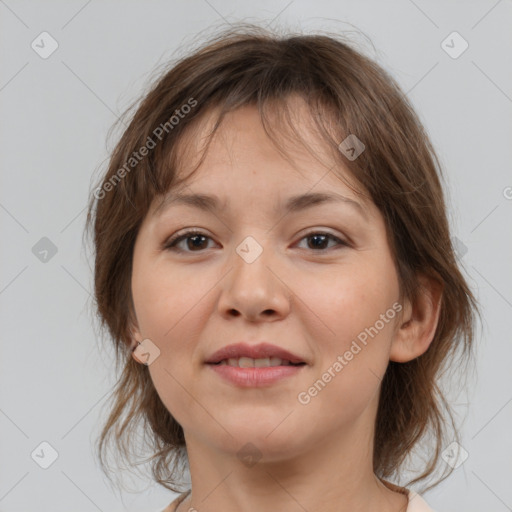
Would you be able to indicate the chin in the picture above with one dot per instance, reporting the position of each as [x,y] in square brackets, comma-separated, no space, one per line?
[272,439]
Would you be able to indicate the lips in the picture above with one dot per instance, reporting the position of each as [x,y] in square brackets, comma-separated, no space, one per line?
[253,351]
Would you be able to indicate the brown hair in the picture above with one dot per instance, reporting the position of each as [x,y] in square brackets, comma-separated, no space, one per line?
[347,93]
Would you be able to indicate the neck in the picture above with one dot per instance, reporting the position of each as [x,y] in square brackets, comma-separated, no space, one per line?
[314,480]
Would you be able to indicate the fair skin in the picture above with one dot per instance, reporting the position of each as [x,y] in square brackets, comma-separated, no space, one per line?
[311,301]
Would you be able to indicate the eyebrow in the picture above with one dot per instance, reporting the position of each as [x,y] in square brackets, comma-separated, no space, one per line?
[293,204]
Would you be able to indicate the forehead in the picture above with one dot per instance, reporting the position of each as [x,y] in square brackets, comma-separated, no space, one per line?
[288,151]
[244,170]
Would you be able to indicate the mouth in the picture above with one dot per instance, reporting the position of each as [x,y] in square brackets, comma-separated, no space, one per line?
[248,355]
[249,362]
[247,365]
[235,373]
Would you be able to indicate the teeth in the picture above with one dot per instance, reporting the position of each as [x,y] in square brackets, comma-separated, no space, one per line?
[248,362]
[259,363]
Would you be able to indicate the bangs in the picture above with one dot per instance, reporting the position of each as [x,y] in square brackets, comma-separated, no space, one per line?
[285,127]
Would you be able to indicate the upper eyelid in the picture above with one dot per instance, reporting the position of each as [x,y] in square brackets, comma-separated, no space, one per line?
[178,238]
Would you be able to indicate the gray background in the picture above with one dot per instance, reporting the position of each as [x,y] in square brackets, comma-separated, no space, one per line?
[55,116]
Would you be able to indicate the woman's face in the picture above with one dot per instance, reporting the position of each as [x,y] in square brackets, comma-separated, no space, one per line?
[261,273]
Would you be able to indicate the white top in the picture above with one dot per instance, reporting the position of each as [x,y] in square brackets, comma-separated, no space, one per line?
[416,503]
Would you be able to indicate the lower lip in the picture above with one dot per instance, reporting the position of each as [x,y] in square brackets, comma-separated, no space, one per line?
[255,377]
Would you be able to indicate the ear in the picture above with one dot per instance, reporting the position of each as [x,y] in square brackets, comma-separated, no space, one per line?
[135,336]
[419,322]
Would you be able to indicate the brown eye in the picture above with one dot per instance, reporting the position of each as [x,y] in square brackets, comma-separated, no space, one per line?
[319,241]
[195,241]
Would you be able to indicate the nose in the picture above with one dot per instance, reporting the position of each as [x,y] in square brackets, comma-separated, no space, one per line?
[255,289]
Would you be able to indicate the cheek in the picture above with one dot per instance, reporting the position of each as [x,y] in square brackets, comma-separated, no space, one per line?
[171,311]
[349,298]
[165,300]
[355,306]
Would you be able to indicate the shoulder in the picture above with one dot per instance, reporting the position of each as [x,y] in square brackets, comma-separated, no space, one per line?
[174,505]
[417,503]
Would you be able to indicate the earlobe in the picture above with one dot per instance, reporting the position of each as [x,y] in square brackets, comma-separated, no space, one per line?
[133,349]
[134,335]
[419,322]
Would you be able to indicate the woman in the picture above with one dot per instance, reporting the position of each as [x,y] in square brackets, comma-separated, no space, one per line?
[272,247]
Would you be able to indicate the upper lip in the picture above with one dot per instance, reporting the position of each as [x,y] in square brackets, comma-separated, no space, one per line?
[257,351]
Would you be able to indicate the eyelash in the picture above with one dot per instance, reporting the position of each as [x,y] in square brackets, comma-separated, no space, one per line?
[174,240]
